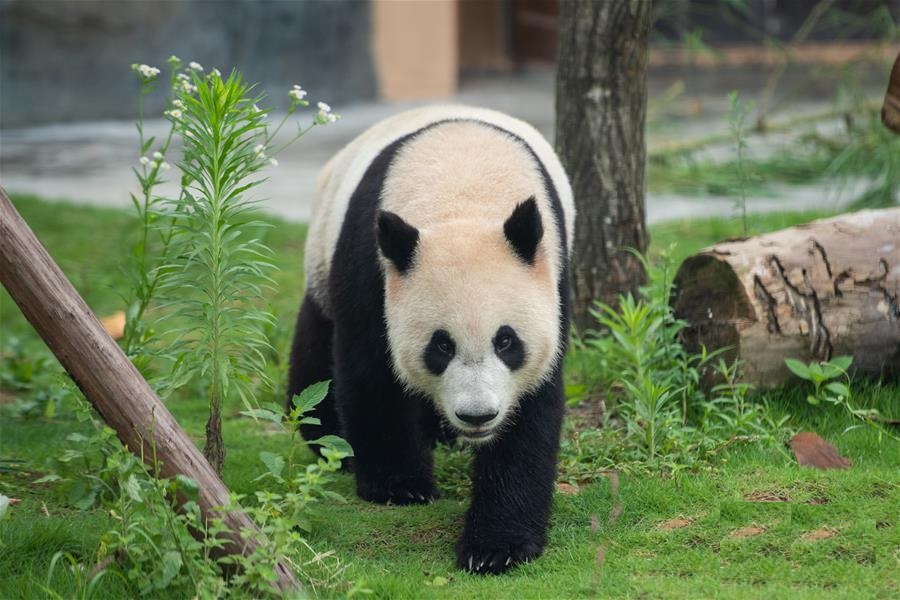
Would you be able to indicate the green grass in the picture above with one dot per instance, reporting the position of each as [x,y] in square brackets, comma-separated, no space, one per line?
[399,552]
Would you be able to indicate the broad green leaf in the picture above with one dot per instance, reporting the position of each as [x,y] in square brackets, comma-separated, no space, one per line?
[812,400]
[842,362]
[310,397]
[188,486]
[334,443]
[274,463]
[797,368]
[838,388]
[132,488]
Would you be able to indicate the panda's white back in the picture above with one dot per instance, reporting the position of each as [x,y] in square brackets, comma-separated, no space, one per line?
[342,175]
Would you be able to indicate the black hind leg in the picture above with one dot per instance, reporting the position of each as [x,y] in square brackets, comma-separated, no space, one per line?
[310,363]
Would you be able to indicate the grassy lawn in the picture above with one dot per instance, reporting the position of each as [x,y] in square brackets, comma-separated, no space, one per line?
[756,526]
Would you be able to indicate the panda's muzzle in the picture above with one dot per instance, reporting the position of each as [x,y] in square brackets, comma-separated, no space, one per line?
[476,419]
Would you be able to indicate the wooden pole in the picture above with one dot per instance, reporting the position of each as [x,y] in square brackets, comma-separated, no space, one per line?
[107,378]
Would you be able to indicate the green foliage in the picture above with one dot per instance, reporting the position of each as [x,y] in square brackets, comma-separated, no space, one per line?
[657,416]
[395,552]
[832,386]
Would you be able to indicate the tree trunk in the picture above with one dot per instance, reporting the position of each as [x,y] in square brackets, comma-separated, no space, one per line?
[812,292]
[108,379]
[890,111]
[601,105]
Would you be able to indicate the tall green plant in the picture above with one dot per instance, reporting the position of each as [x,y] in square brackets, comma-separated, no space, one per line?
[218,272]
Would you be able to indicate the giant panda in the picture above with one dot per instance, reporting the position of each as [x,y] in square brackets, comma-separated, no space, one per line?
[436,300]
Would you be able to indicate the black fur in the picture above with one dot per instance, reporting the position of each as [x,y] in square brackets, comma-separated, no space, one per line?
[397,240]
[524,230]
[392,432]
[513,354]
[439,352]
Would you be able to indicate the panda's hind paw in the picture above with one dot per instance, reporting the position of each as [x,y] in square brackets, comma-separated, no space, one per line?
[484,559]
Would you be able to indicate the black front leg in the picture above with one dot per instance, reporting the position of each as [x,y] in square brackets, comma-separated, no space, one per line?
[512,487]
[392,460]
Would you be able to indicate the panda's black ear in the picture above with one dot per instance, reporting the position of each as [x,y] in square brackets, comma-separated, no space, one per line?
[397,240]
[524,230]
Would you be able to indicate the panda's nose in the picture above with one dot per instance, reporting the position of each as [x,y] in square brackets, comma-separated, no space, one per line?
[476,419]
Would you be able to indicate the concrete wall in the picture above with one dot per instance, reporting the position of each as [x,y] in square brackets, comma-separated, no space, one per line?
[65,60]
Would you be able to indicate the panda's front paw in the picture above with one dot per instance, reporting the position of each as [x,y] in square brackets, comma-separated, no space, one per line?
[397,490]
[493,559]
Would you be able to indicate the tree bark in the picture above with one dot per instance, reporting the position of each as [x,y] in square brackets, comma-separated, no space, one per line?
[812,292]
[107,378]
[601,106]
[890,111]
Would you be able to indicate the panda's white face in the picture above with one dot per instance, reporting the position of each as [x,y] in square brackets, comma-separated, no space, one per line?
[471,325]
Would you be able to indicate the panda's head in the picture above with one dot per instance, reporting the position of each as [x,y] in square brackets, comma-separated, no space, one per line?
[472,313]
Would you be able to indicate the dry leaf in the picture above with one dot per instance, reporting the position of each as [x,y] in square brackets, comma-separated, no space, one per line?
[812,451]
[674,524]
[114,325]
[567,488]
[749,531]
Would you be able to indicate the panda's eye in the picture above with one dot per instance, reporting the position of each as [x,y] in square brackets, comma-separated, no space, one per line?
[503,343]
[439,351]
[509,348]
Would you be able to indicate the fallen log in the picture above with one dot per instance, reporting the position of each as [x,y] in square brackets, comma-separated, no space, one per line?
[811,292]
[108,379]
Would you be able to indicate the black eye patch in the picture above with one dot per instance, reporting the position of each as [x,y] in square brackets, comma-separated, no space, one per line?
[509,348]
[439,352]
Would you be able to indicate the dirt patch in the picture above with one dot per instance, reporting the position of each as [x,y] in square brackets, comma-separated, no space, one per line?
[767,496]
[818,534]
[671,524]
[817,501]
[567,488]
[749,531]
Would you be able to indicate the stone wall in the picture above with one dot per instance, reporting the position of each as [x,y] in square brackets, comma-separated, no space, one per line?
[66,60]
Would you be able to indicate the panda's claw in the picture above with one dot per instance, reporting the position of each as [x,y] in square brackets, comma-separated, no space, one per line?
[494,559]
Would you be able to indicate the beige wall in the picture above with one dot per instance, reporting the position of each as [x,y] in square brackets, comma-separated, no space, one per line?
[415,47]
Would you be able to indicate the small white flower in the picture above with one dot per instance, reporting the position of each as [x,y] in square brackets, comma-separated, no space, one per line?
[146,72]
[164,166]
[256,109]
[177,103]
[189,133]
[174,113]
[157,155]
[216,72]
[273,162]
[324,107]
[297,93]
[153,164]
[195,66]
[259,148]
[144,160]
[183,77]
